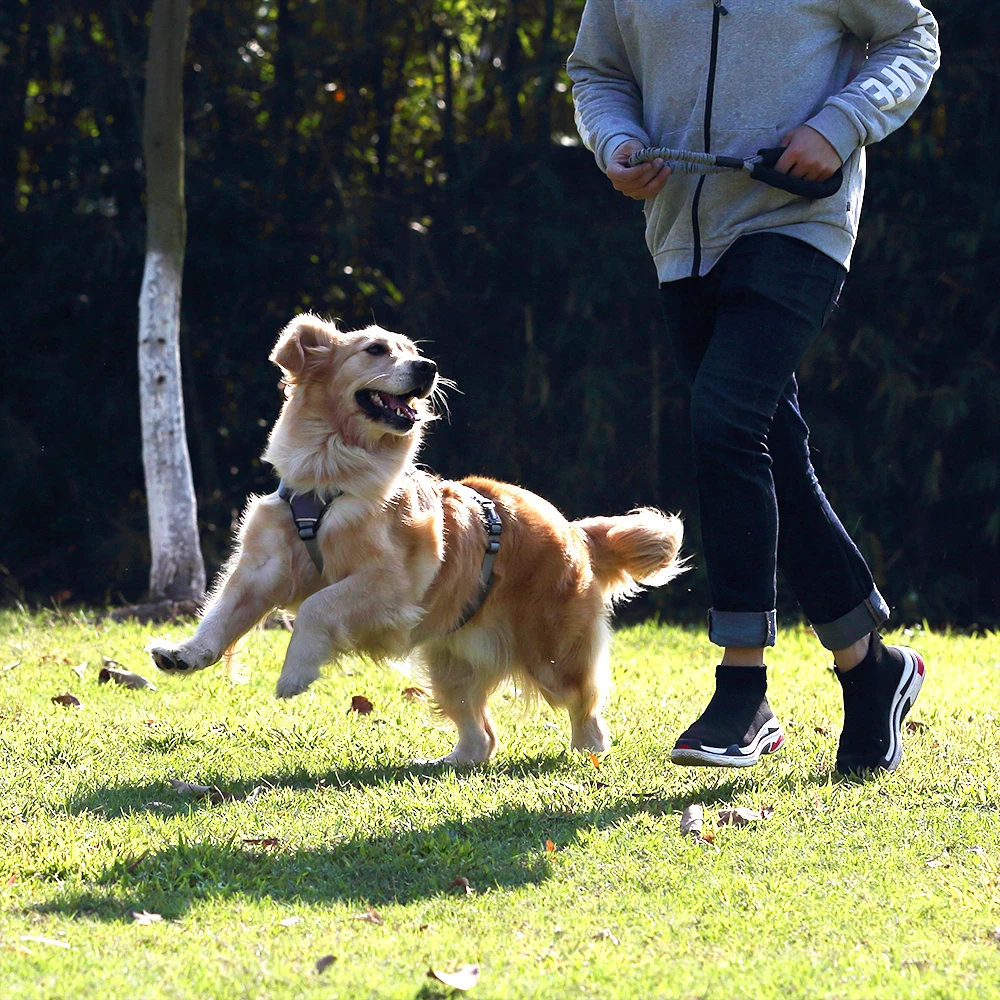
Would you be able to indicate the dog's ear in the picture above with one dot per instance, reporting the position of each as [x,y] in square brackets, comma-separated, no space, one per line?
[303,346]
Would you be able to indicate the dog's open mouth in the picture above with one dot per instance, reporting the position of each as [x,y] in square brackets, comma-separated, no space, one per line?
[396,411]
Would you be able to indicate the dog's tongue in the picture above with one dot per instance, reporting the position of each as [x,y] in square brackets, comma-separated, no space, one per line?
[398,403]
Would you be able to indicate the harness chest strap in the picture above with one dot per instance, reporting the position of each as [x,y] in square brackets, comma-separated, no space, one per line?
[308,510]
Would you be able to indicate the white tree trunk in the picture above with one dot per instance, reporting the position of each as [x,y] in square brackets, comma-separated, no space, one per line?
[178,570]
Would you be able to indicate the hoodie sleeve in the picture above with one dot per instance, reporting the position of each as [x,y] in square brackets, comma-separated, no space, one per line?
[903,53]
[606,97]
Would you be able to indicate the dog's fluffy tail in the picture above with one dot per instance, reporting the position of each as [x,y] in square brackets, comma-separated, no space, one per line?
[639,549]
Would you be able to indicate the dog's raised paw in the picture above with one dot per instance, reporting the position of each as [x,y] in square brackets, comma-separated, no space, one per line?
[289,687]
[168,659]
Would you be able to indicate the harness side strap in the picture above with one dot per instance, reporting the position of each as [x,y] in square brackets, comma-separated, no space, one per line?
[494,529]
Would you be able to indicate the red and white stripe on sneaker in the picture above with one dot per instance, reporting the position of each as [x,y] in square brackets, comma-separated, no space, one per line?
[769,738]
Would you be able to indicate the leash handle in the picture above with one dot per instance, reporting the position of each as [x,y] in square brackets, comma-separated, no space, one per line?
[760,168]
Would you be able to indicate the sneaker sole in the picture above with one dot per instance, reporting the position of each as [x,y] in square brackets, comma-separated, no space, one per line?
[906,694]
[770,739]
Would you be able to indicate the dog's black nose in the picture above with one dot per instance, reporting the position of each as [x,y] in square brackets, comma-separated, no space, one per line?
[424,368]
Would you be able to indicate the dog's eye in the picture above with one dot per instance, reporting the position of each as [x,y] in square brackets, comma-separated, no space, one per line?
[377,349]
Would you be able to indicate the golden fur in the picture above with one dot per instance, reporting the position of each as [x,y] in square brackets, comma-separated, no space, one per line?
[403,551]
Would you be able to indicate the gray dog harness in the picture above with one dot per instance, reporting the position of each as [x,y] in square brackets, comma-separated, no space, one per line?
[308,510]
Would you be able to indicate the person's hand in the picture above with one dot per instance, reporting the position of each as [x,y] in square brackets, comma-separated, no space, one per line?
[641,182]
[807,154]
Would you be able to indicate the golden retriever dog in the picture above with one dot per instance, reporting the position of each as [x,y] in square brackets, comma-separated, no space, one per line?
[402,552]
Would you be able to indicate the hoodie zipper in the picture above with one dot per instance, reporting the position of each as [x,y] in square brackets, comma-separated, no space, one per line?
[717,11]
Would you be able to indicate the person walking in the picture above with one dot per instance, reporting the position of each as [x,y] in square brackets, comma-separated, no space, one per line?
[748,276]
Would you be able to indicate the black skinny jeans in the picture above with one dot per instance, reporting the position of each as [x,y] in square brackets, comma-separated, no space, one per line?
[738,334]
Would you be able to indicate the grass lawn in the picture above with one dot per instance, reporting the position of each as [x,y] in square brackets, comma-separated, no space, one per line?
[329,842]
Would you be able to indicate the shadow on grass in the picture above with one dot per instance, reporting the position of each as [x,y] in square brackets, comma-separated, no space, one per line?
[504,850]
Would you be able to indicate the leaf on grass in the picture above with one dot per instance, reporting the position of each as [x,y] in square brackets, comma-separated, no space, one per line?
[198,791]
[606,935]
[463,978]
[66,699]
[915,726]
[145,918]
[415,694]
[708,837]
[692,819]
[290,921]
[822,730]
[940,861]
[741,816]
[325,962]
[9,666]
[550,847]
[361,705]
[11,878]
[370,916]
[596,761]
[261,841]
[45,940]
[462,883]
[125,678]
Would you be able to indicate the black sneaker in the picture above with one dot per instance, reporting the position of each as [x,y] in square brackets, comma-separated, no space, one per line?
[738,725]
[878,694]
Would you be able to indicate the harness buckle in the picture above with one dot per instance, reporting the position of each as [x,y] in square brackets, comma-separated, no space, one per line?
[307,528]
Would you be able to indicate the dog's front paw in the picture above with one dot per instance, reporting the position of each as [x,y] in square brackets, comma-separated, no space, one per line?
[177,659]
[289,685]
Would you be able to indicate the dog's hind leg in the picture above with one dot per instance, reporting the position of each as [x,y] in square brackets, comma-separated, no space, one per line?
[461,690]
[579,682]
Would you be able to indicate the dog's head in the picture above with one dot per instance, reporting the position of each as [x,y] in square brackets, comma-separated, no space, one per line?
[367,384]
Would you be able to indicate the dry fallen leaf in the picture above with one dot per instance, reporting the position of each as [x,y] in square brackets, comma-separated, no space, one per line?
[708,837]
[66,699]
[463,978]
[822,730]
[595,760]
[740,816]
[290,921]
[125,678]
[198,791]
[361,705]
[415,694]
[692,819]
[261,841]
[461,882]
[915,726]
[44,940]
[550,847]
[606,935]
[941,861]
[370,916]
[325,962]
[146,918]
[11,878]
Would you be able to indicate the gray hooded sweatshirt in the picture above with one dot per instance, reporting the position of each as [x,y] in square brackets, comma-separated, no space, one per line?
[732,77]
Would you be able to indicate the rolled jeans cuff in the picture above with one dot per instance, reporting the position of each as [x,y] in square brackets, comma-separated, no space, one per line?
[856,624]
[748,629]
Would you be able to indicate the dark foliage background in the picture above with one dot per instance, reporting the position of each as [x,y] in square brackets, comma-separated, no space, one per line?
[415,162]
